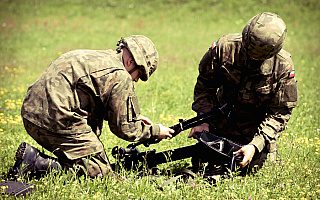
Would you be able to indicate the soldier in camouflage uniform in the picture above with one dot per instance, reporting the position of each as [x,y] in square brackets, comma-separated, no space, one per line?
[64,109]
[251,72]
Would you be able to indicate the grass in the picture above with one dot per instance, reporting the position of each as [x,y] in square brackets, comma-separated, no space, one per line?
[34,32]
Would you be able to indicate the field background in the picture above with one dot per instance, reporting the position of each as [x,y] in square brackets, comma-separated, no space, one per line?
[35,32]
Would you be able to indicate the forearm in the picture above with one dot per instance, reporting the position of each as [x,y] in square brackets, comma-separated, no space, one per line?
[280,109]
[270,129]
[124,117]
[135,130]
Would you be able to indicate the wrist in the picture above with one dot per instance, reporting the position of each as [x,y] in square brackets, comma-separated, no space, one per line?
[155,131]
[254,148]
[258,142]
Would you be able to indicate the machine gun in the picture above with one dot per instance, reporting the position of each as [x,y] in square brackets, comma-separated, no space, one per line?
[206,148]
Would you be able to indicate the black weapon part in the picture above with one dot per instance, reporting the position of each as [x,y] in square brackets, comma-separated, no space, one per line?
[206,149]
[132,159]
[17,188]
[215,115]
[137,160]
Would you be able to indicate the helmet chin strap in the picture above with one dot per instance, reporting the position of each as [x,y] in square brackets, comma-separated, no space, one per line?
[134,69]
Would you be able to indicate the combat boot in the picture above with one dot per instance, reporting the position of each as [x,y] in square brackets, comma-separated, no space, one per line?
[31,162]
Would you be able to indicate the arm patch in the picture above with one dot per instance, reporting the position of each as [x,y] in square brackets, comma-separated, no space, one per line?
[292,74]
[290,93]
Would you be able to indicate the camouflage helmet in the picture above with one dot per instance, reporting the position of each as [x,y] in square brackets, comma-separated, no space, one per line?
[264,35]
[144,53]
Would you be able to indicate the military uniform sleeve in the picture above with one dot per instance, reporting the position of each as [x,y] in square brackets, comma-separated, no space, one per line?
[205,90]
[124,114]
[280,109]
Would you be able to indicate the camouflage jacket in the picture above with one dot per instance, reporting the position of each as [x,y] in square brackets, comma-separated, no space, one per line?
[262,93]
[82,88]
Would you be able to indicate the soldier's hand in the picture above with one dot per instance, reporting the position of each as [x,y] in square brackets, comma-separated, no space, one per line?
[248,153]
[146,120]
[165,132]
[197,129]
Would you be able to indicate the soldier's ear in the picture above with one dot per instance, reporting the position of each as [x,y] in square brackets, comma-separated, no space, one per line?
[132,60]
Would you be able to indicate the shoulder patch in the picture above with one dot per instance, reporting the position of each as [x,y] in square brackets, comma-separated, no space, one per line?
[213,45]
[292,74]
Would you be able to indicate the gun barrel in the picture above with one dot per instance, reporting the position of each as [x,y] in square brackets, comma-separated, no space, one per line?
[216,114]
[172,155]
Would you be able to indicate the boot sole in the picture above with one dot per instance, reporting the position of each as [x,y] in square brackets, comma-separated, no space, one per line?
[20,151]
[21,166]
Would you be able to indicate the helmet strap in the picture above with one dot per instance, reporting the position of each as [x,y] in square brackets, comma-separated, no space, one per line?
[134,69]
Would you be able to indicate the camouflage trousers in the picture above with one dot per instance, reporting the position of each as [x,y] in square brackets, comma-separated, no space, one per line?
[93,165]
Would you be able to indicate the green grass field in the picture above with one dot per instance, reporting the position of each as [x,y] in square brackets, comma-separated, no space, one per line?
[35,32]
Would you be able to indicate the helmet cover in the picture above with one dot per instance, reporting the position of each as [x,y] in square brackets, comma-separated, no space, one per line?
[144,53]
[263,36]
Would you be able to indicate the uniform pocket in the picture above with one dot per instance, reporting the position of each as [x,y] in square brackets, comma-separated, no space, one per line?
[133,108]
[289,95]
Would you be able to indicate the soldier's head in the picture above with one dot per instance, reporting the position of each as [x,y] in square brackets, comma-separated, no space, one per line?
[144,53]
[263,36]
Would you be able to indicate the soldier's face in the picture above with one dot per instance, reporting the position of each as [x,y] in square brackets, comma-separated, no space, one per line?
[135,75]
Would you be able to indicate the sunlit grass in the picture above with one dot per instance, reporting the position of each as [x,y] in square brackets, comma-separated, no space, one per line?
[34,33]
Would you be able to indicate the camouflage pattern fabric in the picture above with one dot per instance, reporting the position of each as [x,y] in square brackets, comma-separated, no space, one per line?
[263,93]
[76,93]
[95,164]
[264,35]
